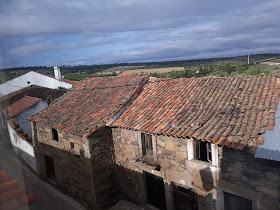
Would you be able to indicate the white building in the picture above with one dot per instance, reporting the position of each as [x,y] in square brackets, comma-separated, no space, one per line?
[34,78]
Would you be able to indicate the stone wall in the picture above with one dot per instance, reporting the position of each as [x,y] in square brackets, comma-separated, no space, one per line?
[252,178]
[126,149]
[236,172]
[73,172]
[103,162]
[172,156]
[86,172]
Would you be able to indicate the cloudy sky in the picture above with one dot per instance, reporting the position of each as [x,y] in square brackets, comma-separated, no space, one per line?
[61,32]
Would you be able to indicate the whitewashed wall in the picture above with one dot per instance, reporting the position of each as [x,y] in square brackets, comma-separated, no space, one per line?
[23,148]
[31,78]
[22,117]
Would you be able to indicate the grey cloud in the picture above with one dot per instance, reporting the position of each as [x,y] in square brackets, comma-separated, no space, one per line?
[60,17]
[34,45]
[165,30]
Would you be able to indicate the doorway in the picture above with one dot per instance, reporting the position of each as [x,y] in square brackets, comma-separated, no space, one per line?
[49,167]
[155,191]
[184,198]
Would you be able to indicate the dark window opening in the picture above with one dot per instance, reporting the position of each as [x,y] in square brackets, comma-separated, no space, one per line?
[203,151]
[54,134]
[28,82]
[72,145]
[236,202]
[49,167]
[155,191]
[147,144]
[184,198]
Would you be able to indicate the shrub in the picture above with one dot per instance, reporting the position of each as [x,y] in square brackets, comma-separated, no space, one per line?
[256,71]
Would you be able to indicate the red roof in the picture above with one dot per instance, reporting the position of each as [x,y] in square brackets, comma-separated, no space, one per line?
[12,196]
[22,104]
[226,111]
[91,105]
[123,74]
[72,82]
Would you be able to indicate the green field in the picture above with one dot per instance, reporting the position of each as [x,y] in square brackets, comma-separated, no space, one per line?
[225,66]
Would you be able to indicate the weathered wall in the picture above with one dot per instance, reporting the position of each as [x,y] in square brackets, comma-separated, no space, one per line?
[22,117]
[23,148]
[172,156]
[236,172]
[129,175]
[5,142]
[252,178]
[85,172]
[73,173]
[103,162]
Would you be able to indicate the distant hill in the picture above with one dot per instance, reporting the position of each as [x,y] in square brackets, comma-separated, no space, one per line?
[83,71]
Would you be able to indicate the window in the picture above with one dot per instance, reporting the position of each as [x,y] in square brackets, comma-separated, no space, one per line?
[236,202]
[54,134]
[203,151]
[72,145]
[147,144]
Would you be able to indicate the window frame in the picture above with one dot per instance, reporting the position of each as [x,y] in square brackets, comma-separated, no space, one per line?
[198,151]
[191,149]
[142,150]
[72,145]
[147,145]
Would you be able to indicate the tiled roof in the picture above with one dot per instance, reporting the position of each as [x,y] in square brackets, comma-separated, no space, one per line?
[124,74]
[90,105]
[72,82]
[226,111]
[22,104]
[12,196]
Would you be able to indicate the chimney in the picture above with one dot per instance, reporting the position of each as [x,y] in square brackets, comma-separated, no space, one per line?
[57,73]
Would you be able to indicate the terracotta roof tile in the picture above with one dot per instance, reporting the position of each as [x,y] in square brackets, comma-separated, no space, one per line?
[225,111]
[90,105]
[123,74]
[72,82]
[22,104]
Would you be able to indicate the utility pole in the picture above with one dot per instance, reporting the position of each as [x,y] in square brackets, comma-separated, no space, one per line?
[248,58]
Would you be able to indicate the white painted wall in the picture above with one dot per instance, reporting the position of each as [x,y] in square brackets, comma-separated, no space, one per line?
[31,78]
[22,117]
[23,148]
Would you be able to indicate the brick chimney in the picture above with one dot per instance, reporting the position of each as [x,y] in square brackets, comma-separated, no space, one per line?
[57,73]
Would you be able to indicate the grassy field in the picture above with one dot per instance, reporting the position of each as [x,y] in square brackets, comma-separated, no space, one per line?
[223,66]
[155,70]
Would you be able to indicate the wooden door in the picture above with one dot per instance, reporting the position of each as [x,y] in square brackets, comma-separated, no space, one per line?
[155,191]
[49,167]
[185,199]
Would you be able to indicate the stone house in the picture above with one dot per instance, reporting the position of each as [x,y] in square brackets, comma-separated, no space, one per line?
[73,144]
[191,144]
